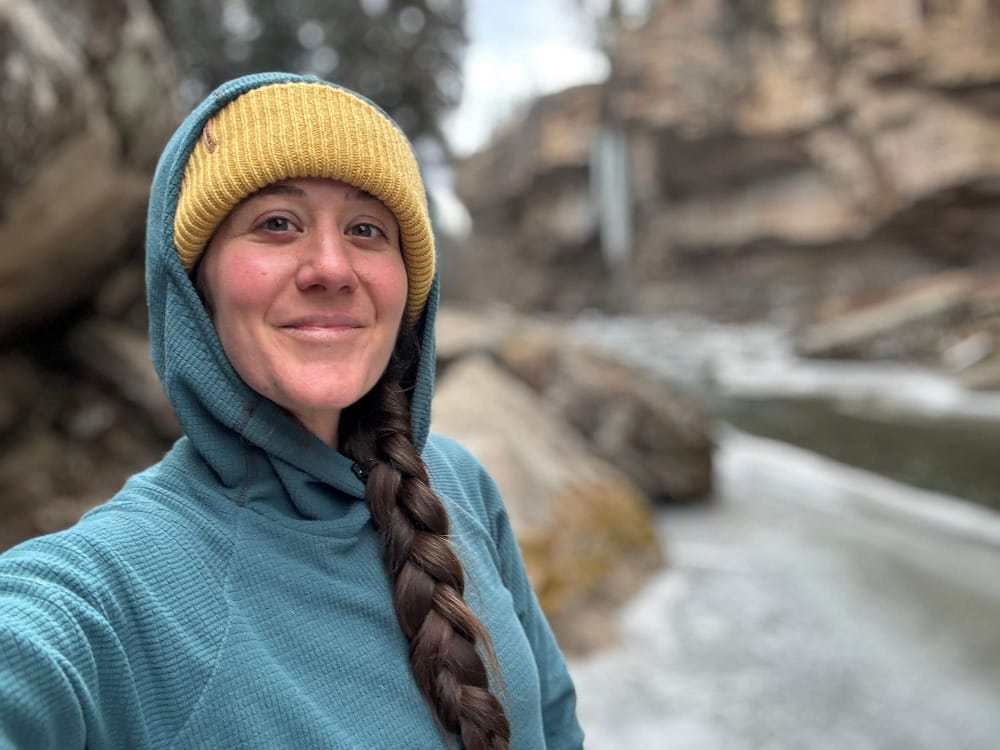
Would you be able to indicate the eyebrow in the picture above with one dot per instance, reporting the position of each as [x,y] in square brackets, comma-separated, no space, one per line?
[283,188]
[278,188]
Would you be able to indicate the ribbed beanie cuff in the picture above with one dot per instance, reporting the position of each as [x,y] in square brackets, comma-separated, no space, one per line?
[293,130]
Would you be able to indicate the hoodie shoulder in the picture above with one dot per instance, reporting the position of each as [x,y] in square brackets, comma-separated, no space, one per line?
[462,481]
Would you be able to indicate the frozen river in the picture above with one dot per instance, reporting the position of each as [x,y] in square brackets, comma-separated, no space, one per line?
[810,605]
[801,611]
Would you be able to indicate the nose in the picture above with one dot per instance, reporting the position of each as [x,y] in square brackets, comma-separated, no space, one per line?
[326,262]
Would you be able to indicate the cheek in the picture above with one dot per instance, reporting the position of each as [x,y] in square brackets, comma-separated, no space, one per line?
[393,288]
[242,288]
[241,300]
[246,290]
[239,296]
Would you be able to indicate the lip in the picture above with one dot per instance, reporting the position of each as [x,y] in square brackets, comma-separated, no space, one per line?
[322,322]
[322,329]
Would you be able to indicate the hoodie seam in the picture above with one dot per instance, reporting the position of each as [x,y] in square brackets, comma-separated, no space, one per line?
[223,640]
[250,473]
[249,477]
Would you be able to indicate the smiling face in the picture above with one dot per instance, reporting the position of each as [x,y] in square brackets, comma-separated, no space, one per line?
[306,286]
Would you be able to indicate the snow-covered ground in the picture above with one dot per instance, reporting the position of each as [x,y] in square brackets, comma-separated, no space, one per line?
[803,610]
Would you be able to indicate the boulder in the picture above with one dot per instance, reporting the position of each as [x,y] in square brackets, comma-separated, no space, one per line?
[657,436]
[586,532]
[459,333]
[86,93]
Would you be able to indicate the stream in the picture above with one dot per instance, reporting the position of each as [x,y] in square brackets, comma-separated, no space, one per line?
[842,587]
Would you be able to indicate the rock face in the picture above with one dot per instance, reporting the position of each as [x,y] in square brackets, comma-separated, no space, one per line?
[907,324]
[534,239]
[584,529]
[529,196]
[781,151]
[813,122]
[86,91]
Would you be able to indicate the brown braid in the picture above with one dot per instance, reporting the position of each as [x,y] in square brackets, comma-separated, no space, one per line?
[429,582]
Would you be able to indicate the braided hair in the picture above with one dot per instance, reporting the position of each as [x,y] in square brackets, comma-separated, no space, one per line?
[448,643]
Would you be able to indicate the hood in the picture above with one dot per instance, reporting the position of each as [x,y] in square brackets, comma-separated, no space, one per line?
[230,425]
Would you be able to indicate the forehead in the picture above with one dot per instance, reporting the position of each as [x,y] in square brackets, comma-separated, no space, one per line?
[319,187]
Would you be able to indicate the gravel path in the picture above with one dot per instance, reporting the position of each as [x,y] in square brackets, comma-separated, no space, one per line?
[803,611]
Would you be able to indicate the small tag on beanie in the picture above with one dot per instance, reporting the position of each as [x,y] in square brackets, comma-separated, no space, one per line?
[210,143]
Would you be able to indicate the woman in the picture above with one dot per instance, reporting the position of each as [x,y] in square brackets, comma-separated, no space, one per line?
[307,567]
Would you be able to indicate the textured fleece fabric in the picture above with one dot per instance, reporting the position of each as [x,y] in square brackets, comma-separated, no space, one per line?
[233,595]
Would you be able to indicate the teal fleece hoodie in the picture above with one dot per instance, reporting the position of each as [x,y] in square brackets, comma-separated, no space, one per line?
[233,595]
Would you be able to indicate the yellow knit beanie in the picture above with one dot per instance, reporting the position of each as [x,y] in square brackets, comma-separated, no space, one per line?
[289,130]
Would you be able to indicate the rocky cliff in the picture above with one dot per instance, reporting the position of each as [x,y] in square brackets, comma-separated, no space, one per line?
[782,152]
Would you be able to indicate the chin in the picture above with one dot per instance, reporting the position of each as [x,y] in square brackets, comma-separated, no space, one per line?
[323,400]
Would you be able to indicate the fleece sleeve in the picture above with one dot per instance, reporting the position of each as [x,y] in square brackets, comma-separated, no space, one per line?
[39,707]
[61,667]
[562,730]
[43,687]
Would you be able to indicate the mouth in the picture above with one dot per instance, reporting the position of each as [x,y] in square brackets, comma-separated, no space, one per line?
[322,329]
[323,323]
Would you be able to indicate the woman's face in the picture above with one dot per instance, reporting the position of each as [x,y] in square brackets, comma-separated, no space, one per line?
[306,285]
